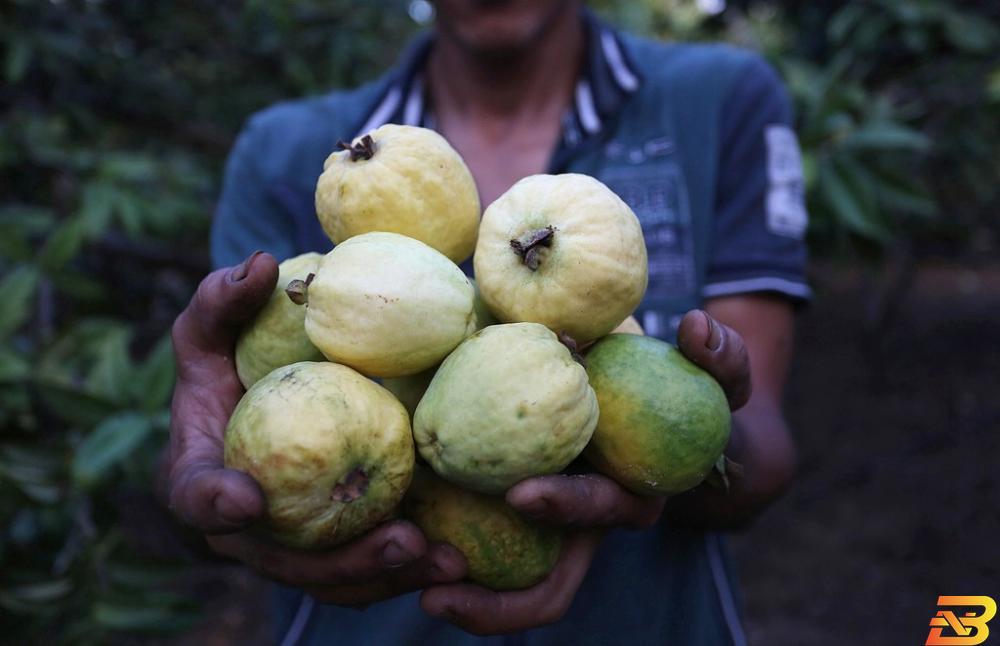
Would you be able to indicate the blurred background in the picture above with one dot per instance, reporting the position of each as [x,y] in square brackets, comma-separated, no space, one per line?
[115,120]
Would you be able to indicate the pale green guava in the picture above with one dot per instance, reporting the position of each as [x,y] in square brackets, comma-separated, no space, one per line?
[509,403]
[331,450]
[277,335]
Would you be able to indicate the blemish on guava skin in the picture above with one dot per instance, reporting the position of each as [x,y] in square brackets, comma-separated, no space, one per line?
[434,444]
[352,487]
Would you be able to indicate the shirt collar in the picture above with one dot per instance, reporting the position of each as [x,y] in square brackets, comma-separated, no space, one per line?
[607,78]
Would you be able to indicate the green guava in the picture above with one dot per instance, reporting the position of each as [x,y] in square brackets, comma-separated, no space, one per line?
[277,336]
[409,389]
[331,449]
[504,550]
[509,403]
[664,421]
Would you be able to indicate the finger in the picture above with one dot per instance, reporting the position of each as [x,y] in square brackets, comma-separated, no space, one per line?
[585,500]
[441,564]
[719,350]
[200,492]
[212,499]
[386,548]
[487,612]
[225,300]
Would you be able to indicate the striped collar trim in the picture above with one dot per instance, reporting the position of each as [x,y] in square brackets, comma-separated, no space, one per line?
[607,79]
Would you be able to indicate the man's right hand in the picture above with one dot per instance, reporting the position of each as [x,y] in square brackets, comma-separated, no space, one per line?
[392,559]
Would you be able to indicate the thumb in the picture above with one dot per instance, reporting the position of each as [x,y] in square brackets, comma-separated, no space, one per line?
[201,491]
[720,351]
[226,299]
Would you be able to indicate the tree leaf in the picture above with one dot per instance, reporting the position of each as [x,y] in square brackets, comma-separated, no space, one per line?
[154,379]
[140,575]
[18,59]
[886,136]
[62,245]
[112,375]
[13,366]
[18,289]
[109,443]
[849,204]
[29,594]
[152,616]
[72,404]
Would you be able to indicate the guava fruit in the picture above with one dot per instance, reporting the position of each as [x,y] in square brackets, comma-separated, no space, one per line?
[664,421]
[277,335]
[504,550]
[401,179]
[331,450]
[387,305]
[410,388]
[563,251]
[507,404]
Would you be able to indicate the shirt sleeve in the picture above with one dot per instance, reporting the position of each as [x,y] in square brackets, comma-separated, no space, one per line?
[247,217]
[760,215]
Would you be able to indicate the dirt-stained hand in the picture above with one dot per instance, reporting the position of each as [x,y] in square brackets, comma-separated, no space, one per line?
[222,503]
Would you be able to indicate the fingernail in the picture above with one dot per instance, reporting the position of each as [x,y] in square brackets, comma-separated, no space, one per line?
[394,556]
[714,340]
[241,270]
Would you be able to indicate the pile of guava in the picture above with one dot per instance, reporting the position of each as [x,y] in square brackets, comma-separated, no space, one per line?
[383,352]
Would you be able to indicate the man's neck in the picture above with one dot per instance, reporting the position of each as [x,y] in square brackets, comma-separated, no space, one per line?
[500,93]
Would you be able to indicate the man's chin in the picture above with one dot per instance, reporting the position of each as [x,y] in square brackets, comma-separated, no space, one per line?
[501,28]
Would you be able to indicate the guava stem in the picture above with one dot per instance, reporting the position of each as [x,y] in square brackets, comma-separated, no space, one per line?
[529,245]
[364,149]
[352,487]
[574,348]
[298,290]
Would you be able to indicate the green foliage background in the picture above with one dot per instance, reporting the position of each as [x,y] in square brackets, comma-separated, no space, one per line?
[116,118]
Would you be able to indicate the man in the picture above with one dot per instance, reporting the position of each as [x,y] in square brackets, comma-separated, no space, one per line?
[697,139]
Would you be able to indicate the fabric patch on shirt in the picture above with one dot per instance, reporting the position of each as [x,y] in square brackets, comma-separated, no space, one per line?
[785,201]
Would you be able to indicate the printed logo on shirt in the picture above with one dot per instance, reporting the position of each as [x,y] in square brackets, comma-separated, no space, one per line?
[658,196]
[950,628]
[785,201]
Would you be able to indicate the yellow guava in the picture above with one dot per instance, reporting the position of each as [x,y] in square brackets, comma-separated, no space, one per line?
[563,251]
[509,403]
[401,179]
[410,388]
[332,452]
[277,335]
[504,550]
[388,305]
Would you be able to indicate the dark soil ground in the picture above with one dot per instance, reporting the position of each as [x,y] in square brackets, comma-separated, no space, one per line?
[898,496]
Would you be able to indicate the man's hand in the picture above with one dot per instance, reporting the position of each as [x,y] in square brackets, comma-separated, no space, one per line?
[720,351]
[586,505]
[390,560]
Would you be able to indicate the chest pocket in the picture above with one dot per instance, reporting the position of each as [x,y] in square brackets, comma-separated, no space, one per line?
[657,193]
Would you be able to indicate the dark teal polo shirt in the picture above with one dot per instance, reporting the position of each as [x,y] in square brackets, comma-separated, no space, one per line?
[698,140]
